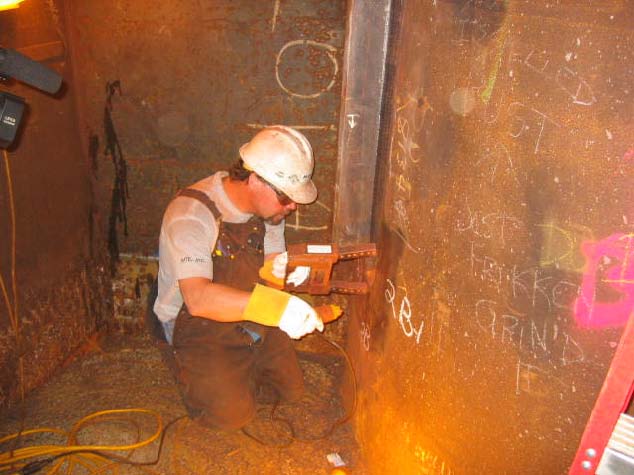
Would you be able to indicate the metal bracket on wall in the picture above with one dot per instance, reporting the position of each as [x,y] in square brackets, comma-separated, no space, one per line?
[607,444]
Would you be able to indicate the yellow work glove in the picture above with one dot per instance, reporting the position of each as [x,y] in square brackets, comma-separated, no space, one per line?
[275,308]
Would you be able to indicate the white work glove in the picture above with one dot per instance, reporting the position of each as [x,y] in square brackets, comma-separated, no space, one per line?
[279,265]
[299,319]
[297,277]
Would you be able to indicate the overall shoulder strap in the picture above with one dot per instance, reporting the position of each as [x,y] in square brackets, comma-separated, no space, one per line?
[203,198]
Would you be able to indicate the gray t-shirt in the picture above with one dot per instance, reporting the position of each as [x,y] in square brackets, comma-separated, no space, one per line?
[188,237]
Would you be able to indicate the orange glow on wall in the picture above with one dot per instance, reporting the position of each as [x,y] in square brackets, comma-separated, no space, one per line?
[9,4]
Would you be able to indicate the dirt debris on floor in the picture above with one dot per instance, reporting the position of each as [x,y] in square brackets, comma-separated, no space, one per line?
[127,372]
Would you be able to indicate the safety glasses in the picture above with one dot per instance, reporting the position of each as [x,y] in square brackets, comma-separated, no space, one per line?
[282,198]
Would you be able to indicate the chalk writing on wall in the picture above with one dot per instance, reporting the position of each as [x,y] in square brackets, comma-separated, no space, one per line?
[543,341]
[535,380]
[529,287]
[473,27]
[524,120]
[365,336]
[498,164]
[433,324]
[563,76]
[330,52]
[297,221]
[521,300]
[405,154]
[561,245]
[496,225]
[431,462]
[404,314]
[533,270]
[276,12]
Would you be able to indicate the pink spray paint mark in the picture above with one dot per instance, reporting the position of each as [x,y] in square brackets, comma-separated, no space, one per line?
[609,262]
[629,155]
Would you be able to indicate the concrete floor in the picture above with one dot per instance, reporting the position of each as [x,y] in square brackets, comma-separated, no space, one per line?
[127,372]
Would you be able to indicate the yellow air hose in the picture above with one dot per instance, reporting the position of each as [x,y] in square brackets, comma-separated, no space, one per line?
[94,458]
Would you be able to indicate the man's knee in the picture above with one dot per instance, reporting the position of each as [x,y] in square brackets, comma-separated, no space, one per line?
[226,408]
[226,420]
[292,392]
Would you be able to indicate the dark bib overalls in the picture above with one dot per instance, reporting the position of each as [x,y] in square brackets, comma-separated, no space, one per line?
[219,365]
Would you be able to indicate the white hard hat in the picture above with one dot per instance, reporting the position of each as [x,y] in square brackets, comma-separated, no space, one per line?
[283,157]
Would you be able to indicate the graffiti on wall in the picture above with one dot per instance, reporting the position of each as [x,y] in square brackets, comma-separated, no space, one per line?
[606,295]
[404,313]
[412,116]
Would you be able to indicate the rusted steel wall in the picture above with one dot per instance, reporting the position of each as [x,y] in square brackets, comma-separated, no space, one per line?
[505,234]
[197,79]
[62,286]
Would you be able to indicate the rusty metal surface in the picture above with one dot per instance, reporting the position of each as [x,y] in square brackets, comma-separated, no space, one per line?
[197,79]
[62,288]
[505,236]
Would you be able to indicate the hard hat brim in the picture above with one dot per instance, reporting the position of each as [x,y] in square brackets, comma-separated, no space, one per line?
[303,194]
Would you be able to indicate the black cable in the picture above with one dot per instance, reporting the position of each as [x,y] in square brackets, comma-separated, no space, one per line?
[348,416]
[268,444]
[292,436]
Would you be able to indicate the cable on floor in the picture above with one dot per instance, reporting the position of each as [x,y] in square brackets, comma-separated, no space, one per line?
[94,458]
[293,437]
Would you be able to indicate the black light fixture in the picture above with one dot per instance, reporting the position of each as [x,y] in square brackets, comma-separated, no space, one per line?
[11,109]
[16,65]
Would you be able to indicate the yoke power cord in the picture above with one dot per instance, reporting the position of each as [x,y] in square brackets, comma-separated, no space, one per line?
[292,437]
[94,458]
